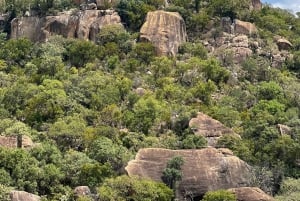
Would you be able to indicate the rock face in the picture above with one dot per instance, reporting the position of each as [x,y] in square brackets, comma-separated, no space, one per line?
[284,44]
[64,24]
[82,191]
[165,30]
[256,4]
[227,25]
[11,141]
[247,28]
[23,196]
[203,170]
[284,129]
[279,58]
[82,24]
[28,27]
[240,48]
[251,194]
[209,128]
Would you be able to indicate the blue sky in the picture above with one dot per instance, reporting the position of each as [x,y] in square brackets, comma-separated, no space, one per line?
[293,5]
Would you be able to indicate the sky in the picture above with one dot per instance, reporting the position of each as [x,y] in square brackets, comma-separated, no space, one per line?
[293,5]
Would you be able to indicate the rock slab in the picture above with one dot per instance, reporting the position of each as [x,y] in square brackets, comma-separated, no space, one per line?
[70,24]
[209,128]
[165,30]
[23,196]
[11,142]
[242,27]
[203,170]
[251,194]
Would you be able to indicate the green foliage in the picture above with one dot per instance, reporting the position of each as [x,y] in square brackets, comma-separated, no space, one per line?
[16,51]
[275,20]
[289,190]
[145,112]
[131,188]
[172,173]
[91,106]
[133,12]
[22,168]
[42,7]
[239,147]
[270,90]
[220,195]
[115,34]
[144,52]
[193,142]
[81,52]
[47,104]
[5,179]
[213,71]
[4,193]
[228,8]
[68,132]
[194,49]
[105,150]
[203,91]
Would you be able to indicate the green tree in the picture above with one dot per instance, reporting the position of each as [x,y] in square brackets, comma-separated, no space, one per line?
[105,150]
[213,71]
[193,49]
[270,90]
[194,142]
[80,170]
[229,8]
[203,91]
[133,12]
[115,34]
[80,52]
[47,104]
[136,189]
[239,147]
[68,132]
[16,51]
[172,173]
[220,195]
[144,52]
[22,168]
[146,111]
[289,190]
[4,192]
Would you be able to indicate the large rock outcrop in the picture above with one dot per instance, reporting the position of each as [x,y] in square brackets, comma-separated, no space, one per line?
[64,24]
[12,142]
[81,24]
[283,44]
[251,194]
[23,196]
[203,170]
[209,128]
[28,27]
[247,28]
[165,30]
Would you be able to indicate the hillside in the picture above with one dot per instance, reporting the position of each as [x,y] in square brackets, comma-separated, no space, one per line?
[140,100]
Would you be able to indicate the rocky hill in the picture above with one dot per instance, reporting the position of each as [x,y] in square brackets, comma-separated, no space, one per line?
[148,100]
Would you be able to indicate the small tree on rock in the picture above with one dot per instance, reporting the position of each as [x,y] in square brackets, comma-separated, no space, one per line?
[172,172]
